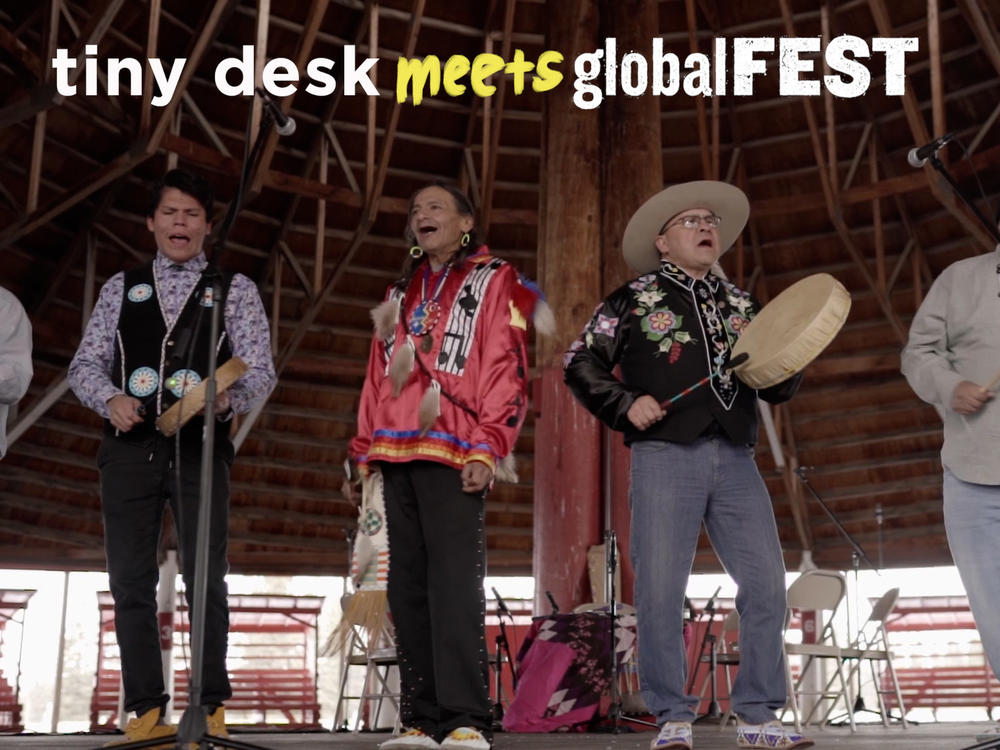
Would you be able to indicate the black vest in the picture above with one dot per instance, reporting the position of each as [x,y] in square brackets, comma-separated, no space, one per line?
[153,363]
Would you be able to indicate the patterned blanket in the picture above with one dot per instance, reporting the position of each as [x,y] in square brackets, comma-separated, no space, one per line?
[564,667]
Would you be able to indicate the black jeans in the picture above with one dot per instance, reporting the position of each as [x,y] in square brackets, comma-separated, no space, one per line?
[437,560]
[137,479]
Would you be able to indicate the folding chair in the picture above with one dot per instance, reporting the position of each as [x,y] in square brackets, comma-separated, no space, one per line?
[374,650]
[819,590]
[872,645]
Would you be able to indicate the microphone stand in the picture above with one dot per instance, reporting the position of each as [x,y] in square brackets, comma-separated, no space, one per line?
[857,555]
[943,171]
[714,712]
[503,647]
[193,727]
[616,710]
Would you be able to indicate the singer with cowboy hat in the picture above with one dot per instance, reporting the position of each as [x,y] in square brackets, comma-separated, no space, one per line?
[694,461]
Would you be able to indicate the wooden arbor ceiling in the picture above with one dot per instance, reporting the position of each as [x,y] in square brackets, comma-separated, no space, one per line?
[322,237]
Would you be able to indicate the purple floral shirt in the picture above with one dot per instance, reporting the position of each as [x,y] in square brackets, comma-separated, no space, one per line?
[245,322]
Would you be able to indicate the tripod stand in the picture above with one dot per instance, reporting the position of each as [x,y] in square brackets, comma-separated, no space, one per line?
[709,639]
[616,712]
[503,647]
[857,555]
[991,744]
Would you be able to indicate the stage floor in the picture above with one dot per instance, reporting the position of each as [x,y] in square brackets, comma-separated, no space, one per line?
[923,737]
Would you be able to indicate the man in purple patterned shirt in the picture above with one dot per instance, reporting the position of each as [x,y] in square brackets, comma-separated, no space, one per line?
[146,344]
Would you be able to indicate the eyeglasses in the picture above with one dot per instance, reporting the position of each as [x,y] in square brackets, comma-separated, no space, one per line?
[693,221]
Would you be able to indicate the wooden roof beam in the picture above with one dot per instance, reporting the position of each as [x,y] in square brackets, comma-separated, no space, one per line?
[209,29]
[937,79]
[137,153]
[71,257]
[317,10]
[371,209]
[831,119]
[30,64]
[44,96]
[832,203]
[692,29]
[985,29]
[326,120]
[49,534]
[152,36]
[467,179]
[919,131]
[104,175]
[490,171]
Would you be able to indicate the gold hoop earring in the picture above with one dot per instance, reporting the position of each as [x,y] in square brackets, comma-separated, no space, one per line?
[416,251]
[466,239]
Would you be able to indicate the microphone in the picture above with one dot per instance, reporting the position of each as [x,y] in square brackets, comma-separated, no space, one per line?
[501,605]
[552,601]
[284,124]
[710,607]
[919,156]
[801,471]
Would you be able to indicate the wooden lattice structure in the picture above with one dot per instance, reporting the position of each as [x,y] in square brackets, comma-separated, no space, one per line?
[827,177]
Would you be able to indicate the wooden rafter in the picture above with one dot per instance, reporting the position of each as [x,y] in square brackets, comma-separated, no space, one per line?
[920,135]
[831,117]
[692,28]
[984,28]
[316,12]
[152,37]
[209,29]
[859,152]
[833,207]
[326,120]
[489,174]
[371,111]
[70,259]
[880,278]
[467,168]
[104,175]
[30,64]
[262,26]
[135,155]
[44,96]
[368,217]
[937,78]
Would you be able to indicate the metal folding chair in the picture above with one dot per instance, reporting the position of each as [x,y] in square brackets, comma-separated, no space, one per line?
[822,591]
[871,645]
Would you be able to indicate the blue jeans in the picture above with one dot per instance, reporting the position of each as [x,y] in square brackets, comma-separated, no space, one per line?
[673,488]
[972,521]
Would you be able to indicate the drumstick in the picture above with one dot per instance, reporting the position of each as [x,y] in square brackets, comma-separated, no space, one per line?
[736,361]
[995,382]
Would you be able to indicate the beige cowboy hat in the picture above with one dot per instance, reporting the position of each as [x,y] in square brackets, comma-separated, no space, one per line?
[720,198]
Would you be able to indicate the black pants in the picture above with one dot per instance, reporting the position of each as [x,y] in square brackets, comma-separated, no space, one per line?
[437,559]
[137,479]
